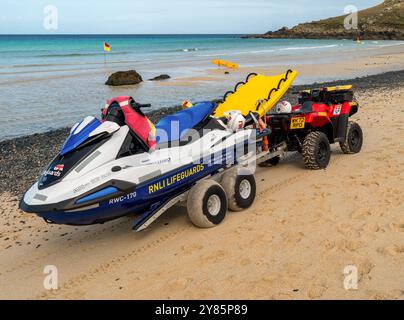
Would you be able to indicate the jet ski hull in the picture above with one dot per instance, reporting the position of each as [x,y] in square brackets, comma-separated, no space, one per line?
[143,199]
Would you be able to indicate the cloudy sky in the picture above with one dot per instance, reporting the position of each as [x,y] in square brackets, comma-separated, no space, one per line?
[166,16]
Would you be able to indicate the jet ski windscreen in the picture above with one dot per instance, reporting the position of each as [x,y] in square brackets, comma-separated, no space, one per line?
[63,164]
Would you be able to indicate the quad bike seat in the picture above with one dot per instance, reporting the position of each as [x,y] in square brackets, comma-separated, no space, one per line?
[173,127]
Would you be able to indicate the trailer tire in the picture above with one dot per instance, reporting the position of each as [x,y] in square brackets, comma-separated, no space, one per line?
[316,150]
[354,139]
[207,204]
[240,187]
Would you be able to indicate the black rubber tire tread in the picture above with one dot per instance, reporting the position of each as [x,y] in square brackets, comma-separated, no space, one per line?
[310,150]
[346,146]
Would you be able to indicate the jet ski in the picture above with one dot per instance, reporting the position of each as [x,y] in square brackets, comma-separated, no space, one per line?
[123,164]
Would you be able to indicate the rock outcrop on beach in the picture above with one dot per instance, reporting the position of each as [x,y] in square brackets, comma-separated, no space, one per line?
[123,78]
[382,22]
[160,77]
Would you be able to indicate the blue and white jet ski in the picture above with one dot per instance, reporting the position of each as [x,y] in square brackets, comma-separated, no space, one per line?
[114,167]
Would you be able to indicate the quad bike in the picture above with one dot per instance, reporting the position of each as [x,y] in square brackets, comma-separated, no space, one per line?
[321,118]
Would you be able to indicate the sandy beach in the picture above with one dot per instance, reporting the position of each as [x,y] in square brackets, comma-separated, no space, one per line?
[304,228]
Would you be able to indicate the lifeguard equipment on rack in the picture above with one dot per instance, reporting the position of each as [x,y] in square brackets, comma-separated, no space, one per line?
[257,94]
[283,107]
[333,95]
[235,121]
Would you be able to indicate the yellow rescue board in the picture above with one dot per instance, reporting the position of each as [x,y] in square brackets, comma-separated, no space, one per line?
[259,94]
[224,63]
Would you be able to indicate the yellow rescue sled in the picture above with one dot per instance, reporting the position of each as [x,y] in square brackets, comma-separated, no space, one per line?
[257,94]
[226,64]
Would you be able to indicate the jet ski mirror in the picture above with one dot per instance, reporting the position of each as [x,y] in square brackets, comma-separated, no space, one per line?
[140,105]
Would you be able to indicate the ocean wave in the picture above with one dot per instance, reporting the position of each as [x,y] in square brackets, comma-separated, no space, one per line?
[188,50]
[236,53]
[269,50]
[390,45]
[69,55]
[72,64]
[19,51]
[309,48]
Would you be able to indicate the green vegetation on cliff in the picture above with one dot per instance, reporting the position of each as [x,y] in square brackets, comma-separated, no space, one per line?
[384,21]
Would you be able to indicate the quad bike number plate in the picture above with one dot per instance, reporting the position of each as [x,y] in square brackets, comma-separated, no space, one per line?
[297,123]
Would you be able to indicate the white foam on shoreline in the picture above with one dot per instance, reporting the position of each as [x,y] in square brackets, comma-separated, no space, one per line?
[271,50]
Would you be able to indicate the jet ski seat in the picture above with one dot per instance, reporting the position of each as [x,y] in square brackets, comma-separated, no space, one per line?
[173,127]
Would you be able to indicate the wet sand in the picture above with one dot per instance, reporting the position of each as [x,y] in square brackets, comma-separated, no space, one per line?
[304,228]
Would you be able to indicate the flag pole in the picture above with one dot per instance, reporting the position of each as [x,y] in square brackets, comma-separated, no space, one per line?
[107,48]
[105,53]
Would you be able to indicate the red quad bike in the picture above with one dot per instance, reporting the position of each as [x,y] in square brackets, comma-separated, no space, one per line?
[321,118]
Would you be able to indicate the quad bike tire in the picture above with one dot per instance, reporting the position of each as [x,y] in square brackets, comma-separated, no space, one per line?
[354,139]
[207,204]
[316,151]
[240,187]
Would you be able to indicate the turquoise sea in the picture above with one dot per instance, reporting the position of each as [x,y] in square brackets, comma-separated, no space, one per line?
[52,81]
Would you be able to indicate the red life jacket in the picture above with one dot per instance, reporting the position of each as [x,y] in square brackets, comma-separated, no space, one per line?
[137,122]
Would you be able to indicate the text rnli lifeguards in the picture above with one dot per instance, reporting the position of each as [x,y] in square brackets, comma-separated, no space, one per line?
[167,182]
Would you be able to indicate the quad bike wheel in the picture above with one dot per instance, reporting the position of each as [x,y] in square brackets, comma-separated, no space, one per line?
[316,150]
[354,139]
[240,187]
[207,204]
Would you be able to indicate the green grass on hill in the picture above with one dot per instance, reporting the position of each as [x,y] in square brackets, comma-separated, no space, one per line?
[389,13]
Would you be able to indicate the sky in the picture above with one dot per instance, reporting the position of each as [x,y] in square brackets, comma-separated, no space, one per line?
[164,16]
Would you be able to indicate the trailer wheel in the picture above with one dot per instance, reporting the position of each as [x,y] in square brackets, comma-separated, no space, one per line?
[240,188]
[354,139]
[316,150]
[207,204]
